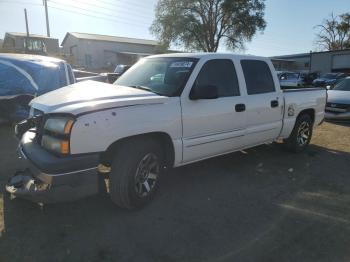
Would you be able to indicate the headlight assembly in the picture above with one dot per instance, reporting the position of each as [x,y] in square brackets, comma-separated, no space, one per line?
[59,125]
[55,144]
[56,134]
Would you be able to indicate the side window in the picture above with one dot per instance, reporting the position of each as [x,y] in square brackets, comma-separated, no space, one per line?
[258,77]
[222,74]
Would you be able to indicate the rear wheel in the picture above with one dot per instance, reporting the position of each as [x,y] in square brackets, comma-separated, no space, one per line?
[301,135]
[135,173]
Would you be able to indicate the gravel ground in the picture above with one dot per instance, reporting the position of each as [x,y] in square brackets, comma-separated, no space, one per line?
[263,204]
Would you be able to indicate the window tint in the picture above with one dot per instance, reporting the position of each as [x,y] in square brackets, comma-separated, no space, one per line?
[220,73]
[258,77]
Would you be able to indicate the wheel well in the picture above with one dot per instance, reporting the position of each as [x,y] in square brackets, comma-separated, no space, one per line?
[310,112]
[160,137]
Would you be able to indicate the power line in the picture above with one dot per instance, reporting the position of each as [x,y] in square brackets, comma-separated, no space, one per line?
[127,3]
[93,16]
[88,10]
[113,19]
[19,3]
[112,9]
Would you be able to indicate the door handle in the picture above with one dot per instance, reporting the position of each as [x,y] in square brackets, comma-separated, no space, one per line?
[240,107]
[274,103]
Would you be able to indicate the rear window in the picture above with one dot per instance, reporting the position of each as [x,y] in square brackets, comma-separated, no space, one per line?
[258,77]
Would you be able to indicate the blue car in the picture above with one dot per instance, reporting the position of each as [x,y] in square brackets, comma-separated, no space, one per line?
[23,77]
[328,80]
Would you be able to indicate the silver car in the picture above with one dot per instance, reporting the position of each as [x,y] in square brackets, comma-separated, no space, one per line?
[338,103]
[291,79]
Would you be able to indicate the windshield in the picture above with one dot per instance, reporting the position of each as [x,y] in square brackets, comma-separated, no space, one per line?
[163,76]
[119,69]
[343,85]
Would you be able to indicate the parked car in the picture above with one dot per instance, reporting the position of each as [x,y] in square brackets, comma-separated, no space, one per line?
[291,79]
[309,78]
[23,77]
[328,80]
[338,102]
[118,71]
[165,111]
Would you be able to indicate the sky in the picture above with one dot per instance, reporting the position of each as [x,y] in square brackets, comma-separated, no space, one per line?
[290,23]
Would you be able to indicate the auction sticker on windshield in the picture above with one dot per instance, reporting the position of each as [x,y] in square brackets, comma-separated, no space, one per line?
[187,64]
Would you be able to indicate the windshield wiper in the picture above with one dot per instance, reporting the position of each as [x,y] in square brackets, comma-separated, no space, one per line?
[145,88]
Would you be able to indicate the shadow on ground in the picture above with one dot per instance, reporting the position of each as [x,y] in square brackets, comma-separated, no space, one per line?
[263,204]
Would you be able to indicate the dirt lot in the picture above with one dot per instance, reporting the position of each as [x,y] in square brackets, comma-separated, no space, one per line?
[260,205]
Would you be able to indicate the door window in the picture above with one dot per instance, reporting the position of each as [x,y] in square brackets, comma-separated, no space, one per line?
[258,77]
[220,73]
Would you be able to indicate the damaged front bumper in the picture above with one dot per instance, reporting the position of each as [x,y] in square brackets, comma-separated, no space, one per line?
[46,178]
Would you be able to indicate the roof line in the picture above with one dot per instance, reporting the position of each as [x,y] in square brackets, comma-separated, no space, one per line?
[106,40]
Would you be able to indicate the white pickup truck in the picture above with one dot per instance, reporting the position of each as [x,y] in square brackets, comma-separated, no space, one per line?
[166,111]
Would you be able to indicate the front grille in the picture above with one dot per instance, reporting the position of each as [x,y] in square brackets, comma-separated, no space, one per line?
[337,108]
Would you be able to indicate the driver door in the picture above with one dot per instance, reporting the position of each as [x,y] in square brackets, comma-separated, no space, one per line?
[213,126]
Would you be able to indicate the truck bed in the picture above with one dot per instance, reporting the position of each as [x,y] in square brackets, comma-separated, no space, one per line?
[289,90]
[314,98]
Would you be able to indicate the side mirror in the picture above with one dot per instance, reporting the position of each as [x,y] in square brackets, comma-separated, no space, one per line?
[204,92]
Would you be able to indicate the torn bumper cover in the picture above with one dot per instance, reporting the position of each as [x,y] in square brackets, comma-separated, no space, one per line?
[49,179]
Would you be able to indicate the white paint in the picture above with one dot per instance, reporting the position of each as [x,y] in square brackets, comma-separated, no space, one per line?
[198,129]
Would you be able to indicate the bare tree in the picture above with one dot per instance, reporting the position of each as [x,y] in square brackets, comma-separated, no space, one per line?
[334,33]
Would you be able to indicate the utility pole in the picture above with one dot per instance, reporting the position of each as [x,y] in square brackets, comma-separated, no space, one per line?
[47,18]
[27,28]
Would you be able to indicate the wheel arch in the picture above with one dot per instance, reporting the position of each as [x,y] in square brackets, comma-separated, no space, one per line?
[162,138]
[310,112]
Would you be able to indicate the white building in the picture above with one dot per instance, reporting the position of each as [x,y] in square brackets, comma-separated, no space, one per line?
[93,51]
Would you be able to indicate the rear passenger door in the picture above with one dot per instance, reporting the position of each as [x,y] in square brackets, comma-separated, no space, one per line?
[264,103]
[213,126]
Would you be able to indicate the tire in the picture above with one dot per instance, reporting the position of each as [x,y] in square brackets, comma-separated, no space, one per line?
[135,173]
[301,135]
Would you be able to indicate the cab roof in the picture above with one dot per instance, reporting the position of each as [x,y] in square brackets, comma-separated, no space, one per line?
[202,55]
[37,59]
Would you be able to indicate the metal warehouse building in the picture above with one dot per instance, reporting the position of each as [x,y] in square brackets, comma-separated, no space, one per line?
[322,62]
[102,51]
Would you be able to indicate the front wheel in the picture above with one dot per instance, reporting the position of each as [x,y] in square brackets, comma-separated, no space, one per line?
[135,173]
[301,135]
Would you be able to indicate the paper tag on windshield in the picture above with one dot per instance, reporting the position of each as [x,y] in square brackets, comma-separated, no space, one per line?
[186,64]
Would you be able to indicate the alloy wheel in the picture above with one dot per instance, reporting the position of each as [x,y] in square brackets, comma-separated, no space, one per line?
[147,174]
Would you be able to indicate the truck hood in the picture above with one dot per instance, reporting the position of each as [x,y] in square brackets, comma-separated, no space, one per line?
[338,97]
[88,96]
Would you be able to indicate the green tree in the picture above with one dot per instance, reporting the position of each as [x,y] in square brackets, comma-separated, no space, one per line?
[334,33]
[203,25]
